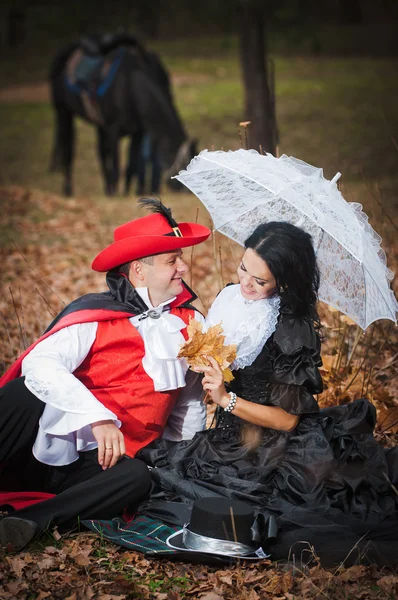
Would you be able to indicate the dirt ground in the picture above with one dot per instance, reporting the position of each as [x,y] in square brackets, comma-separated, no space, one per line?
[35,92]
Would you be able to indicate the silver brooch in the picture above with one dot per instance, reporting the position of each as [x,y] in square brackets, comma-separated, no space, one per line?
[153,314]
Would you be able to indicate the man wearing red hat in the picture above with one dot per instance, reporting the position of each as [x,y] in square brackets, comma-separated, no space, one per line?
[103,381]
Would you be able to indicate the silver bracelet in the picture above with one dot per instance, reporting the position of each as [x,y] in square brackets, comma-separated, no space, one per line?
[231,405]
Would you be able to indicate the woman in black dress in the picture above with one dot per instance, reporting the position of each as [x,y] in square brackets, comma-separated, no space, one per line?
[320,473]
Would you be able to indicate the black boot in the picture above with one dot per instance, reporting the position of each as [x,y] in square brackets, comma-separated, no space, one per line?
[16,533]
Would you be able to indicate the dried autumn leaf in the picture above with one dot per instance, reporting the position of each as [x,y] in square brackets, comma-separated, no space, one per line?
[195,340]
[388,583]
[227,374]
[387,419]
[353,573]
[211,343]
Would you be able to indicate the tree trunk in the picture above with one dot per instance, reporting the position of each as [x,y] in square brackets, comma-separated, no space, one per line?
[259,92]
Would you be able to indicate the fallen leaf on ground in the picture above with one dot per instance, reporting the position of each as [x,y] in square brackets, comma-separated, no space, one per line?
[353,573]
[17,564]
[389,583]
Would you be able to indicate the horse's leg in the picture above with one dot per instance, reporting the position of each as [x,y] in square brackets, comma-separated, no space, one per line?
[142,161]
[114,161]
[103,154]
[130,168]
[141,173]
[56,154]
[66,137]
[143,155]
[69,154]
[133,165]
[156,168]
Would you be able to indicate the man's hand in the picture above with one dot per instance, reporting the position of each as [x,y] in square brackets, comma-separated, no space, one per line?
[110,443]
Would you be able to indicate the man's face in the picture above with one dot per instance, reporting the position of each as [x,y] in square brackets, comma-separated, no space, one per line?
[163,277]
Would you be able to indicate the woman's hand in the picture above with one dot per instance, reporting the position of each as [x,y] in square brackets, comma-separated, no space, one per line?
[213,382]
[270,417]
[110,443]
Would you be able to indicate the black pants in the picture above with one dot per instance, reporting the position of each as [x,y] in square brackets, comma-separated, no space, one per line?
[84,490]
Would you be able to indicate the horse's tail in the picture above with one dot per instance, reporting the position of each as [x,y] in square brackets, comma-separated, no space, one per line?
[60,60]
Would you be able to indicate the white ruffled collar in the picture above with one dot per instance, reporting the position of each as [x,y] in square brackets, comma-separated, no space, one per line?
[144,293]
[246,323]
[162,337]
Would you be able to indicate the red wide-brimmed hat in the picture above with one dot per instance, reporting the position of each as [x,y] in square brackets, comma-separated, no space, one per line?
[148,235]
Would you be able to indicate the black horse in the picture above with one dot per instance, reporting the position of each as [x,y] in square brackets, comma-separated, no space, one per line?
[123,89]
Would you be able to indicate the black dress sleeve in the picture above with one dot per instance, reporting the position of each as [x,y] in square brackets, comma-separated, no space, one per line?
[294,360]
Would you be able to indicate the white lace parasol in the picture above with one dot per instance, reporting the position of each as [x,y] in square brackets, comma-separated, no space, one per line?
[243,188]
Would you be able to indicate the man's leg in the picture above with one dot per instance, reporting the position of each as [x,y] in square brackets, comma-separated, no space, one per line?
[94,494]
[20,412]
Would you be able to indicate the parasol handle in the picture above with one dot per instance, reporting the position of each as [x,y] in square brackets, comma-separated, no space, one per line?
[335,178]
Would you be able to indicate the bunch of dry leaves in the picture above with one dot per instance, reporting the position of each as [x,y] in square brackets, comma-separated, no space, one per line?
[202,344]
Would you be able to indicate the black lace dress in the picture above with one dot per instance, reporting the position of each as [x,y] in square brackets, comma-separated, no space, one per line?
[329,484]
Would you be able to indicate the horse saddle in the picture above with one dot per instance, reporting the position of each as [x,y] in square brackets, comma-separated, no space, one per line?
[89,73]
[93,65]
[85,72]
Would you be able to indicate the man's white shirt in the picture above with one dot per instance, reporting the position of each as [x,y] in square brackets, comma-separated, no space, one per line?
[65,425]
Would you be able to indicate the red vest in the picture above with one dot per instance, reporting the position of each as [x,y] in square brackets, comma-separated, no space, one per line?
[113,372]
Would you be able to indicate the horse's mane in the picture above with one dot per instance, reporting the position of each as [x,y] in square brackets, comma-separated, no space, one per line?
[110,42]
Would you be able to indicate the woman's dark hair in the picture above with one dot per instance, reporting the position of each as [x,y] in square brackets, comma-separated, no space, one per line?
[290,257]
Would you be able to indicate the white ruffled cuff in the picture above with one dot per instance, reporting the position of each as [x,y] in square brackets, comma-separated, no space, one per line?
[62,435]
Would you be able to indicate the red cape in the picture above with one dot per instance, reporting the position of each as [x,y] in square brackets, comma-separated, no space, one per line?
[83,316]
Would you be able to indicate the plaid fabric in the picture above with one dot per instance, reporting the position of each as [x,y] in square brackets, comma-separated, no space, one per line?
[142,533]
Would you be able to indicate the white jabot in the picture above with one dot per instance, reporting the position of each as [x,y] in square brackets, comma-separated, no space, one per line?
[246,323]
[161,333]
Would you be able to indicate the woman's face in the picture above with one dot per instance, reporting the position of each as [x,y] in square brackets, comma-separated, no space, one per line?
[256,280]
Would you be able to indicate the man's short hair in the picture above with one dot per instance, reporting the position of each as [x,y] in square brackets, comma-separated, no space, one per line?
[148,260]
[125,268]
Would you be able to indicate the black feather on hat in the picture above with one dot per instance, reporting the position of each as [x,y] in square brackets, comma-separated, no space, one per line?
[157,207]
